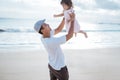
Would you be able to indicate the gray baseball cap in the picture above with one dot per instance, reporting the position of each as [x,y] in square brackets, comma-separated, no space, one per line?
[38,25]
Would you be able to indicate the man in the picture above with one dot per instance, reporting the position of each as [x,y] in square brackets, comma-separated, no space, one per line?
[57,67]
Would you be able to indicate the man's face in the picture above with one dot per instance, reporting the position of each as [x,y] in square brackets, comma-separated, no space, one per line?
[46,29]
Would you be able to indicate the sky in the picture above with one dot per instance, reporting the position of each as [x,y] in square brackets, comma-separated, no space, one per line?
[86,10]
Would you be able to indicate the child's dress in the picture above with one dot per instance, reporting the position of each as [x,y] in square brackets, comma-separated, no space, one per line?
[67,18]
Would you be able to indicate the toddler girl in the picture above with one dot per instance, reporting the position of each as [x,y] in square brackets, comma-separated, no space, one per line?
[68,9]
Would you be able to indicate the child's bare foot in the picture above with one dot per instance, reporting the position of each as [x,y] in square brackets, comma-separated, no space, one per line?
[86,36]
[75,34]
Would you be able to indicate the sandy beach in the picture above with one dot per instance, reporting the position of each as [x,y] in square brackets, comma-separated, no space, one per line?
[83,64]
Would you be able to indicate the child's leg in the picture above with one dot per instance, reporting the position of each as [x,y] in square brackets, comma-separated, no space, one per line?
[85,34]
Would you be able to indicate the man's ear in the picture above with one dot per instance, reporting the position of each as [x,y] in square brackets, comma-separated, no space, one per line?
[42,30]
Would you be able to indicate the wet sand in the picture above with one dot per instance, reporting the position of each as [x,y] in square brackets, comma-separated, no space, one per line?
[84,64]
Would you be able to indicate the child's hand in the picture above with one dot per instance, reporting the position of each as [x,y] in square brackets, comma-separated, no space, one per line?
[54,15]
[58,15]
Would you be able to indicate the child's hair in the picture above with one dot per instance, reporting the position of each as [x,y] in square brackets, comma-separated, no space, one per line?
[67,2]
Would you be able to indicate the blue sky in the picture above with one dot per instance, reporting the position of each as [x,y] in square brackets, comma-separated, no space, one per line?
[86,10]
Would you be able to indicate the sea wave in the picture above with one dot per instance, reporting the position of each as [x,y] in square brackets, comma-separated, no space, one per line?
[1,30]
[16,30]
[109,23]
[102,30]
[19,44]
[31,31]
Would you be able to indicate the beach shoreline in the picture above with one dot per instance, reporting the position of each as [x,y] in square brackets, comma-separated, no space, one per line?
[83,64]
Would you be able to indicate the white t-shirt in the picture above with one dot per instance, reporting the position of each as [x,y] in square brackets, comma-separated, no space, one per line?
[67,24]
[52,45]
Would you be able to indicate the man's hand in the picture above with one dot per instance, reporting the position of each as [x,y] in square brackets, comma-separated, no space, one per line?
[71,17]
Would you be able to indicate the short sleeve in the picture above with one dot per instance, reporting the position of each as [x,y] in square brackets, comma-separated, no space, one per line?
[61,39]
[56,40]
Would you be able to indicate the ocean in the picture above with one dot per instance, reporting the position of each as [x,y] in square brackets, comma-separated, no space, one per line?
[17,34]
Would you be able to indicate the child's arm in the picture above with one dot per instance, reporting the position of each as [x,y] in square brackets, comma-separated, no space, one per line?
[59,15]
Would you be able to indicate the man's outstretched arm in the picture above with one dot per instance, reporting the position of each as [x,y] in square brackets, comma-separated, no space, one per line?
[60,27]
[71,30]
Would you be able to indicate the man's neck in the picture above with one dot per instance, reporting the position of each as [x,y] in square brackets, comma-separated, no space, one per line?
[45,36]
